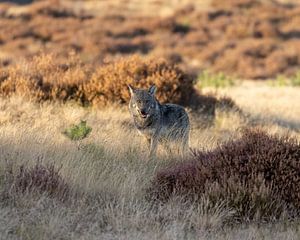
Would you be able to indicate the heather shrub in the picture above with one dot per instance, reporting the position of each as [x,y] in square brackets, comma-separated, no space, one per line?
[41,179]
[256,175]
[46,79]
[108,84]
[43,78]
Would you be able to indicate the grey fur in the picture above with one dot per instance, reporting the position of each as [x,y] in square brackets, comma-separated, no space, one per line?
[167,124]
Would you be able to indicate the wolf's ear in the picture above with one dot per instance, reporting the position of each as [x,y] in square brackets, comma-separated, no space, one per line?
[131,89]
[152,90]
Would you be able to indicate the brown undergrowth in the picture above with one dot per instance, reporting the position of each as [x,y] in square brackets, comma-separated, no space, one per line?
[44,78]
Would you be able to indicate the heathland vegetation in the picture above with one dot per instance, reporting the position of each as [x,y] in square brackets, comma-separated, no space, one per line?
[72,165]
[224,37]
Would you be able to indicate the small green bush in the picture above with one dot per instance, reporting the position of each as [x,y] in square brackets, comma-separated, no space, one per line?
[78,132]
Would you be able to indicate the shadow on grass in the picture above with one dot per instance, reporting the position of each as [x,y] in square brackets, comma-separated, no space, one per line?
[259,119]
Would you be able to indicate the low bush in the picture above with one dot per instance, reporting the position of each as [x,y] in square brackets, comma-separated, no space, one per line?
[43,78]
[109,83]
[41,179]
[46,79]
[256,175]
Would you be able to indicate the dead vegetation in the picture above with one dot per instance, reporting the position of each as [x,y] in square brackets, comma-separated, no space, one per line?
[224,38]
[109,83]
[44,78]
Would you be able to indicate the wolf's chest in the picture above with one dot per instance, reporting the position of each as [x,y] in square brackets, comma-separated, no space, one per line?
[147,132]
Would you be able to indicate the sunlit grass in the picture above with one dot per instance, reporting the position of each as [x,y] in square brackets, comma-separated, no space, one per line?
[108,172]
[214,80]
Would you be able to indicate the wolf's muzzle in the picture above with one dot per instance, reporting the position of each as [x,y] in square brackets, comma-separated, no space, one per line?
[143,113]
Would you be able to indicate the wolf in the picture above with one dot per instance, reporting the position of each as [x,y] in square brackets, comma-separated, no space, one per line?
[166,124]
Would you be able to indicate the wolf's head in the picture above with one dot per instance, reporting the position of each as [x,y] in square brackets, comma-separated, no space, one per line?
[142,102]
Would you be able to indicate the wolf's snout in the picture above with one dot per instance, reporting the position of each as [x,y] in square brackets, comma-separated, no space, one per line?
[143,113]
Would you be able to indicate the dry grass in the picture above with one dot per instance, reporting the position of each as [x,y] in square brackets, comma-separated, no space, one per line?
[277,107]
[107,174]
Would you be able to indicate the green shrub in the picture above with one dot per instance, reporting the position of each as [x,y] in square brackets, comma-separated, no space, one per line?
[78,132]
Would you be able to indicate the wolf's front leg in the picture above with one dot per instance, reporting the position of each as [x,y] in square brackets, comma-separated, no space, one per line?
[153,147]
